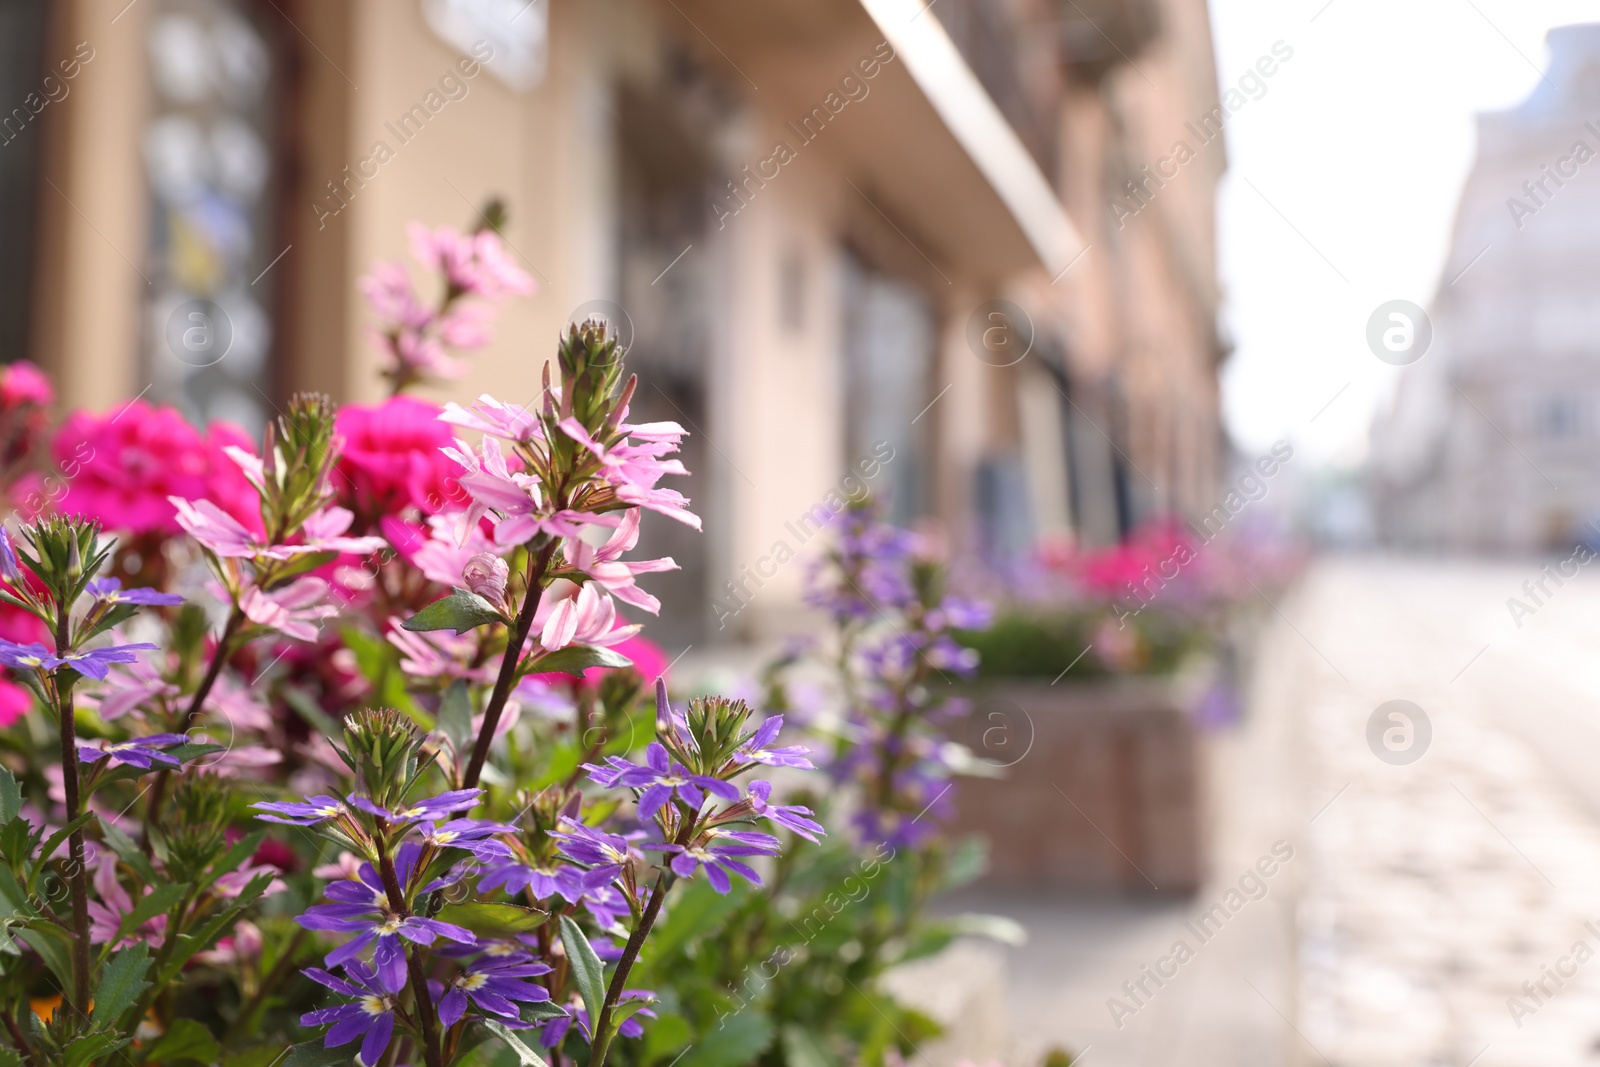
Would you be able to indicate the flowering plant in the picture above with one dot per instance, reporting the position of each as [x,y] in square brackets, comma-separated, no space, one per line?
[341,742]
[791,974]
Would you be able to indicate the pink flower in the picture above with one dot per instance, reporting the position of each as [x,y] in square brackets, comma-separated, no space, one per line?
[604,565]
[14,702]
[24,385]
[437,554]
[486,574]
[512,498]
[325,532]
[488,415]
[578,614]
[392,459]
[633,468]
[220,532]
[295,611]
[472,263]
[436,653]
[122,469]
[106,913]
[388,290]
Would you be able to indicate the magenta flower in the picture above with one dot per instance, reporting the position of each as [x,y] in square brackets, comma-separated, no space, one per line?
[790,816]
[570,613]
[296,610]
[605,566]
[372,1012]
[141,752]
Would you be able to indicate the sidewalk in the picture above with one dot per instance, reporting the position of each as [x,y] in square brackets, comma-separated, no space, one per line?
[1420,897]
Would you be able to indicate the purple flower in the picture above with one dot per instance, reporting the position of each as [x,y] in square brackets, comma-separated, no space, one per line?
[309,812]
[8,558]
[755,749]
[607,904]
[96,662]
[362,908]
[110,591]
[27,657]
[471,835]
[431,810]
[568,882]
[716,856]
[366,887]
[790,816]
[661,777]
[606,854]
[556,1029]
[371,1014]
[493,984]
[139,752]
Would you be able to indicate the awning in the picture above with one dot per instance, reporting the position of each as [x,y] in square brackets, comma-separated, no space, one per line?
[926,144]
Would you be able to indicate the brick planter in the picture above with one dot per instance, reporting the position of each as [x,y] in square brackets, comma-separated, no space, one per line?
[1109,796]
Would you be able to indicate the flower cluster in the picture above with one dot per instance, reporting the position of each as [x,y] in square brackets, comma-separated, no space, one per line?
[415,337]
[361,631]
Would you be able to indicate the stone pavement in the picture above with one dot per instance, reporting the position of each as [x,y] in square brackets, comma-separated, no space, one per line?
[1420,896]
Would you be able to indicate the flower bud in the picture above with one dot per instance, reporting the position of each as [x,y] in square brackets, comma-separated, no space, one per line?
[486,574]
[9,567]
[380,745]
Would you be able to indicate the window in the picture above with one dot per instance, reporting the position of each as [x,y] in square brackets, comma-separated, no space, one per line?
[208,160]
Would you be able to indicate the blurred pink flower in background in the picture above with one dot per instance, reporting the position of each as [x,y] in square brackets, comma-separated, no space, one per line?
[121,468]
[391,459]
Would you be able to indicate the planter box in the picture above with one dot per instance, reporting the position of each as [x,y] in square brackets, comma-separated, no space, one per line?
[1100,788]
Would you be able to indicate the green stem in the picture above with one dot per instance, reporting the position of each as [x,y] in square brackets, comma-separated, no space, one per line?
[426,1019]
[77,871]
[508,664]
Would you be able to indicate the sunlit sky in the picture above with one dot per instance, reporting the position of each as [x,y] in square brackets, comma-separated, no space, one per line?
[1361,142]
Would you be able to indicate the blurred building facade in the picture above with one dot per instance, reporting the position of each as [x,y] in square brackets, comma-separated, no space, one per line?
[1489,444]
[833,231]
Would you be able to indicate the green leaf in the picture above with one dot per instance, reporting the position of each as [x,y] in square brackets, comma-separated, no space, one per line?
[527,1056]
[10,1058]
[54,946]
[121,985]
[573,660]
[87,1048]
[801,1048]
[299,565]
[156,902]
[737,1040]
[313,1054]
[116,615]
[587,970]
[129,852]
[186,1039]
[55,839]
[491,919]
[538,1011]
[189,944]
[460,611]
[242,850]
[455,715]
[10,796]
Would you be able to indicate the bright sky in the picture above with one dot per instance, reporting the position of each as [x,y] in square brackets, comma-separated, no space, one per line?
[1361,143]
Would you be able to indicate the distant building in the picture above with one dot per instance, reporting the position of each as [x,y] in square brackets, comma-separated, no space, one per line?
[804,208]
[1492,439]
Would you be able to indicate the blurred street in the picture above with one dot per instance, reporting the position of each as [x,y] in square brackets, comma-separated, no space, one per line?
[1420,896]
